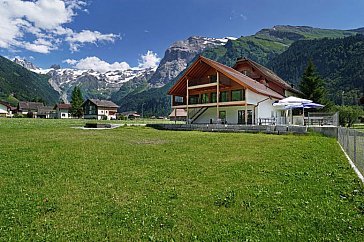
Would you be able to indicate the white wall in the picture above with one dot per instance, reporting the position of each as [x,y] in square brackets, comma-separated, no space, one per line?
[231,114]
[3,109]
[262,107]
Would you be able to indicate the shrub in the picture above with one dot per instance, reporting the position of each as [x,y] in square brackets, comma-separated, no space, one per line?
[348,115]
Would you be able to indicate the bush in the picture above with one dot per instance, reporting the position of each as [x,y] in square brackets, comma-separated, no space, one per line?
[348,115]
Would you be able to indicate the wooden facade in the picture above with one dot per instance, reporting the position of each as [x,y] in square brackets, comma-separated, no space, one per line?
[209,84]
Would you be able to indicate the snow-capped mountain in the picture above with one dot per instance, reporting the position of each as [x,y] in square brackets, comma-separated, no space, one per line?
[102,85]
[26,64]
[93,84]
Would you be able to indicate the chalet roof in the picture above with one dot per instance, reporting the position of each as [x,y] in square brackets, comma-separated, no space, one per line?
[233,74]
[180,113]
[267,73]
[29,105]
[6,104]
[63,106]
[45,110]
[103,103]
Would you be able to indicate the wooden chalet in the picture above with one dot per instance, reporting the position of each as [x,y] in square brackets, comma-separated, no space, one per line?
[99,109]
[211,92]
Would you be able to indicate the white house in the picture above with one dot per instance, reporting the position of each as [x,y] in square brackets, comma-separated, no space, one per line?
[211,92]
[29,107]
[99,109]
[5,110]
[63,110]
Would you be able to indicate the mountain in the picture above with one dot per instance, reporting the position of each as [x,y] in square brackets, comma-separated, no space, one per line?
[177,57]
[339,61]
[268,43]
[175,60]
[26,64]
[18,83]
[261,47]
[93,84]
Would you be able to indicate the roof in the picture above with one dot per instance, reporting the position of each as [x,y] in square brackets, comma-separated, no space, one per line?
[267,72]
[233,74]
[179,113]
[6,104]
[130,113]
[103,103]
[63,106]
[30,105]
[45,110]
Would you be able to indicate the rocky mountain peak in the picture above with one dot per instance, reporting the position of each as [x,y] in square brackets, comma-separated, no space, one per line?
[25,63]
[179,54]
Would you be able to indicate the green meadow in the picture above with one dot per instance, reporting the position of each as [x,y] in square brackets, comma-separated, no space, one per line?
[60,183]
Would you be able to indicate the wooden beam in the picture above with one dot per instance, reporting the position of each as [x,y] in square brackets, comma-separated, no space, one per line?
[202,86]
[187,100]
[217,95]
[246,113]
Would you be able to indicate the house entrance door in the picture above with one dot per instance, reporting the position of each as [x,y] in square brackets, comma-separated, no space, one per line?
[241,117]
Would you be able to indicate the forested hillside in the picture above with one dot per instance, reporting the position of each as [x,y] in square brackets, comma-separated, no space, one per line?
[18,83]
[339,61]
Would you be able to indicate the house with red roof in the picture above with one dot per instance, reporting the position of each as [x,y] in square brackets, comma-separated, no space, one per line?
[211,92]
[63,110]
[99,109]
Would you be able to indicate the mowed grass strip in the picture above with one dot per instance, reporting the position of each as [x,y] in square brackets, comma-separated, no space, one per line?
[136,183]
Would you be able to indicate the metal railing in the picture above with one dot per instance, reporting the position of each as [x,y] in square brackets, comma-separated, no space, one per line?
[352,142]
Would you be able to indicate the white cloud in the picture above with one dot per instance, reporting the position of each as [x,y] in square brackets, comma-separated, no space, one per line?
[38,25]
[86,36]
[149,60]
[96,64]
[70,61]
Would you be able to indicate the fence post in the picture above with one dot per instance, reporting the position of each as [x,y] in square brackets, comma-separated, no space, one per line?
[355,146]
[347,140]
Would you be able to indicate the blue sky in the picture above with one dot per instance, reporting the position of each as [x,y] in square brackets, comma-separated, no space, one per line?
[132,33]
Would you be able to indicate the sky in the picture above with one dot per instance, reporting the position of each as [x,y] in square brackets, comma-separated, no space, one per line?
[121,34]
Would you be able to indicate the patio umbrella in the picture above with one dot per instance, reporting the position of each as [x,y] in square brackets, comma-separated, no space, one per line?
[294,100]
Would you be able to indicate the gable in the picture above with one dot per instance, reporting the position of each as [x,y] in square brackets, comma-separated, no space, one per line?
[203,65]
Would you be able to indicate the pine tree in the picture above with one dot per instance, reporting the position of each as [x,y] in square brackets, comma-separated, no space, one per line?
[312,86]
[76,102]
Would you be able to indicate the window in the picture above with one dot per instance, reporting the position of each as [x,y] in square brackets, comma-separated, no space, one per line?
[213,78]
[205,98]
[237,95]
[224,97]
[213,97]
[178,100]
[193,99]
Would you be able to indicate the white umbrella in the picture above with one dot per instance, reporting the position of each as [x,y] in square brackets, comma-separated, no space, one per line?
[295,100]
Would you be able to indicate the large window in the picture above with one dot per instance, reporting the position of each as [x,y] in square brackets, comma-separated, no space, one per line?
[213,97]
[224,97]
[193,99]
[205,98]
[237,95]
[178,100]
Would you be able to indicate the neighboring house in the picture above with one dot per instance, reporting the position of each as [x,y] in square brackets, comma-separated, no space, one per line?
[46,112]
[99,109]
[211,92]
[6,110]
[130,115]
[25,107]
[63,110]
[178,115]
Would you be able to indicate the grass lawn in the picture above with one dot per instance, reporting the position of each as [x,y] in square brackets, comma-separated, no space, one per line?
[137,183]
